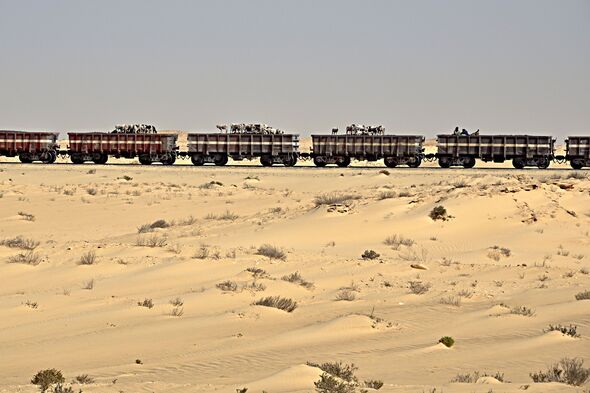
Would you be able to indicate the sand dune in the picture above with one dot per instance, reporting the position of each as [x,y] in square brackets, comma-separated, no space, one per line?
[506,263]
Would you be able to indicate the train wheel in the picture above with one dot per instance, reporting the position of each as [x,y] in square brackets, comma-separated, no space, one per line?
[170,160]
[518,163]
[266,160]
[444,162]
[102,159]
[198,159]
[145,159]
[319,161]
[25,158]
[390,162]
[49,157]
[543,163]
[577,164]
[220,159]
[343,162]
[290,161]
[416,163]
[77,159]
[469,162]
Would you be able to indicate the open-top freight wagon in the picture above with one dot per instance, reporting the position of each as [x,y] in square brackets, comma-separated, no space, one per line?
[244,141]
[523,150]
[98,146]
[29,146]
[578,151]
[367,143]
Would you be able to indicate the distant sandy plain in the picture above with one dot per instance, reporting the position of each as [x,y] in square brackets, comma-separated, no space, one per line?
[145,278]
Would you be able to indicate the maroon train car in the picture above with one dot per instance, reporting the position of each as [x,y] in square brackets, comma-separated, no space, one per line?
[98,146]
[29,146]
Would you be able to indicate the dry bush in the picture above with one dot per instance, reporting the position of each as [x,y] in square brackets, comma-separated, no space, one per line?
[202,252]
[412,255]
[571,330]
[225,216]
[342,371]
[522,310]
[334,198]
[386,195]
[150,227]
[281,303]
[257,272]
[88,258]
[418,287]
[451,301]
[20,242]
[151,241]
[31,304]
[370,254]
[254,286]
[211,184]
[146,303]
[395,241]
[473,377]
[177,302]
[190,220]
[91,191]
[583,295]
[83,379]
[45,378]
[374,384]
[27,258]
[345,295]
[330,384]
[89,285]
[438,213]
[466,293]
[228,286]
[297,279]
[177,312]
[272,252]
[26,216]
[568,371]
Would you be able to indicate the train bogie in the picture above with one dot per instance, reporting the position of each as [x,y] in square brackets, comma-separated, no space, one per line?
[29,146]
[523,150]
[217,148]
[393,149]
[98,146]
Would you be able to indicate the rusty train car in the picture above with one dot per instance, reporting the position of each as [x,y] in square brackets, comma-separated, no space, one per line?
[393,149]
[523,150]
[218,147]
[98,146]
[29,146]
[578,151]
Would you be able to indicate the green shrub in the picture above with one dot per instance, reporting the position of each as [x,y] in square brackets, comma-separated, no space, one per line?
[370,254]
[45,378]
[438,213]
[447,341]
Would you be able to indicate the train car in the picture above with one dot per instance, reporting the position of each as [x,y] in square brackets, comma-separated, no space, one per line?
[393,149]
[29,146]
[523,150]
[577,151]
[98,146]
[218,147]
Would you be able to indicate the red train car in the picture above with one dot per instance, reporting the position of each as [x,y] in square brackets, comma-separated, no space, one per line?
[29,146]
[98,146]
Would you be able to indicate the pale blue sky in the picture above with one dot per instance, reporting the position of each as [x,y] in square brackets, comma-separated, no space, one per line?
[303,66]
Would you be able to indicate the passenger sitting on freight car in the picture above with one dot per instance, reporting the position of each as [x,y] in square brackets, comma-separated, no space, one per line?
[476,132]
[465,132]
[456,132]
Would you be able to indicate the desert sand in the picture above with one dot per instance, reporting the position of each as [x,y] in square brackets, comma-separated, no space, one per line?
[77,301]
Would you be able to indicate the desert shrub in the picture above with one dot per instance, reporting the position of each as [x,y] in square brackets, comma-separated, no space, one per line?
[297,279]
[438,213]
[151,241]
[28,258]
[146,303]
[83,379]
[202,252]
[522,310]
[88,285]
[190,220]
[177,302]
[91,191]
[386,195]
[328,384]
[177,312]
[568,371]
[447,341]
[451,301]
[418,287]
[395,241]
[254,286]
[338,369]
[26,216]
[473,377]
[257,272]
[228,286]
[20,242]
[281,303]
[583,295]
[88,258]
[31,304]
[59,388]
[571,330]
[370,254]
[334,198]
[45,378]
[272,252]
[150,227]
[225,216]
[374,384]
[345,295]
[211,184]
[466,293]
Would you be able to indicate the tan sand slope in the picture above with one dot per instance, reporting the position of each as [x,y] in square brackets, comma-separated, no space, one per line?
[511,239]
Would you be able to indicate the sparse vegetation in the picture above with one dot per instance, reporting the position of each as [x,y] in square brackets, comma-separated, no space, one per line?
[26,216]
[88,258]
[473,377]
[272,252]
[370,254]
[497,252]
[30,304]
[202,252]
[447,341]
[568,371]
[20,242]
[177,302]
[27,258]
[91,191]
[334,199]
[451,301]
[395,241]
[227,286]
[345,295]
[225,216]
[344,372]
[211,184]
[439,213]
[148,303]
[386,195]
[522,310]
[177,312]
[374,384]
[89,285]
[46,378]
[257,272]
[583,295]
[83,379]
[418,287]
[151,241]
[281,303]
[297,279]
[150,227]
[571,330]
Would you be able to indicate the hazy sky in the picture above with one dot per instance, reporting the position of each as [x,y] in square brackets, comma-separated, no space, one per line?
[303,66]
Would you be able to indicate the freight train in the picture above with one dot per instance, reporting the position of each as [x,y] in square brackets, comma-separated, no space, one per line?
[272,146]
